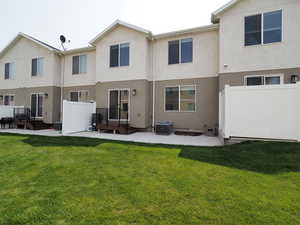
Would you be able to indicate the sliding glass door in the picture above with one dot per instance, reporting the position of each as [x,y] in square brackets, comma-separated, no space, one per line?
[37,101]
[119,104]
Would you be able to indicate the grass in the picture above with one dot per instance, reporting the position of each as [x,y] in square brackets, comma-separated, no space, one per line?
[65,180]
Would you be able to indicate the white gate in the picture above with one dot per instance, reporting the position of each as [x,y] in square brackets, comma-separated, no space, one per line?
[270,112]
[77,116]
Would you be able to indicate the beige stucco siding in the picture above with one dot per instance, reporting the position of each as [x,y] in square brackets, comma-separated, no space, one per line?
[259,57]
[138,67]
[139,104]
[57,68]
[238,79]
[51,107]
[206,104]
[88,78]
[22,54]
[205,57]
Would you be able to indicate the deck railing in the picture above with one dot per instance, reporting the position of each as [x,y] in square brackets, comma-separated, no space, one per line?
[22,114]
[115,116]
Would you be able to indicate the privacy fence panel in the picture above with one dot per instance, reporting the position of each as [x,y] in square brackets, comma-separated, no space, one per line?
[77,116]
[8,111]
[270,112]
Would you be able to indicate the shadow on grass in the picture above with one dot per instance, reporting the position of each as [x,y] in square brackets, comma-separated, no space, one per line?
[261,157]
[43,141]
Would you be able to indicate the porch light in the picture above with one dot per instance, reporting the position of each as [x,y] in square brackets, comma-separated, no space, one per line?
[46,95]
[294,79]
[134,92]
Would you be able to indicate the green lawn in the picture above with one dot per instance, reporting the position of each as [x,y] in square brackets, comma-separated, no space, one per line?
[65,180]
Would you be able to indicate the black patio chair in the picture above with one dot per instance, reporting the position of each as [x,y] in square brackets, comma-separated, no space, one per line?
[2,124]
[7,121]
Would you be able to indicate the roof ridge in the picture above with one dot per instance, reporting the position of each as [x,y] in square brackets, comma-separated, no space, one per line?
[41,42]
[113,25]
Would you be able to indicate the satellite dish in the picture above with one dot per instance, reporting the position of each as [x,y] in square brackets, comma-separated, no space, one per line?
[62,38]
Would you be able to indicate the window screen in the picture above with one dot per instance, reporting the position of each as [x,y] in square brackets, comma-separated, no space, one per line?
[40,105]
[173,52]
[33,105]
[114,56]
[6,100]
[6,72]
[75,67]
[74,96]
[172,99]
[253,30]
[34,67]
[253,81]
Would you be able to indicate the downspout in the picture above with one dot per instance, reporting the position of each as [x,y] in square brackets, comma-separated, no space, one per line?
[153,87]
[62,87]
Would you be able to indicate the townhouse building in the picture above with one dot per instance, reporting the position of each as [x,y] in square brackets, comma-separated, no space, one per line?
[173,76]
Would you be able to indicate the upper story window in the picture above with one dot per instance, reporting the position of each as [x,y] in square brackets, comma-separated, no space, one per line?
[181,51]
[263,80]
[9,71]
[119,55]
[263,28]
[272,27]
[79,64]
[37,67]
[180,99]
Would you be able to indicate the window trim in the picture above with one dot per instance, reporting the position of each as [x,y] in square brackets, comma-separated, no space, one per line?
[262,28]
[78,94]
[37,60]
[80,73]
[264,79]
[180,41]
[9,95]
[10,76]
[119,54]
[179,98]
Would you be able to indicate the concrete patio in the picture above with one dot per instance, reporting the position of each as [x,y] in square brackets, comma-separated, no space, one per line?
[140,137]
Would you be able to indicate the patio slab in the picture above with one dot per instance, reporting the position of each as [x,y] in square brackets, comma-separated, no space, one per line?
[139,137]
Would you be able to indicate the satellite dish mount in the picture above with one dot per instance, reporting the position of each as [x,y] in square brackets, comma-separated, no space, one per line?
[63,41]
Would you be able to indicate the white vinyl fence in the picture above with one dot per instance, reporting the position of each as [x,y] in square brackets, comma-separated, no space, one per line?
[77,116]
[269,112]
[8,111]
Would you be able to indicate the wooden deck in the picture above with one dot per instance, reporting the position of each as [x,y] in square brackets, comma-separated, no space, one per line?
[32,124]
[116,129]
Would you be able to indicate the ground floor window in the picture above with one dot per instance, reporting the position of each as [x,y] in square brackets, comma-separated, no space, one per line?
[79,96]
[7,99]
[263,80]
[37,103]
[180,98]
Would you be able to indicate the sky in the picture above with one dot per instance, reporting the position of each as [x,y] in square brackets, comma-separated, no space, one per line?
[81,20]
